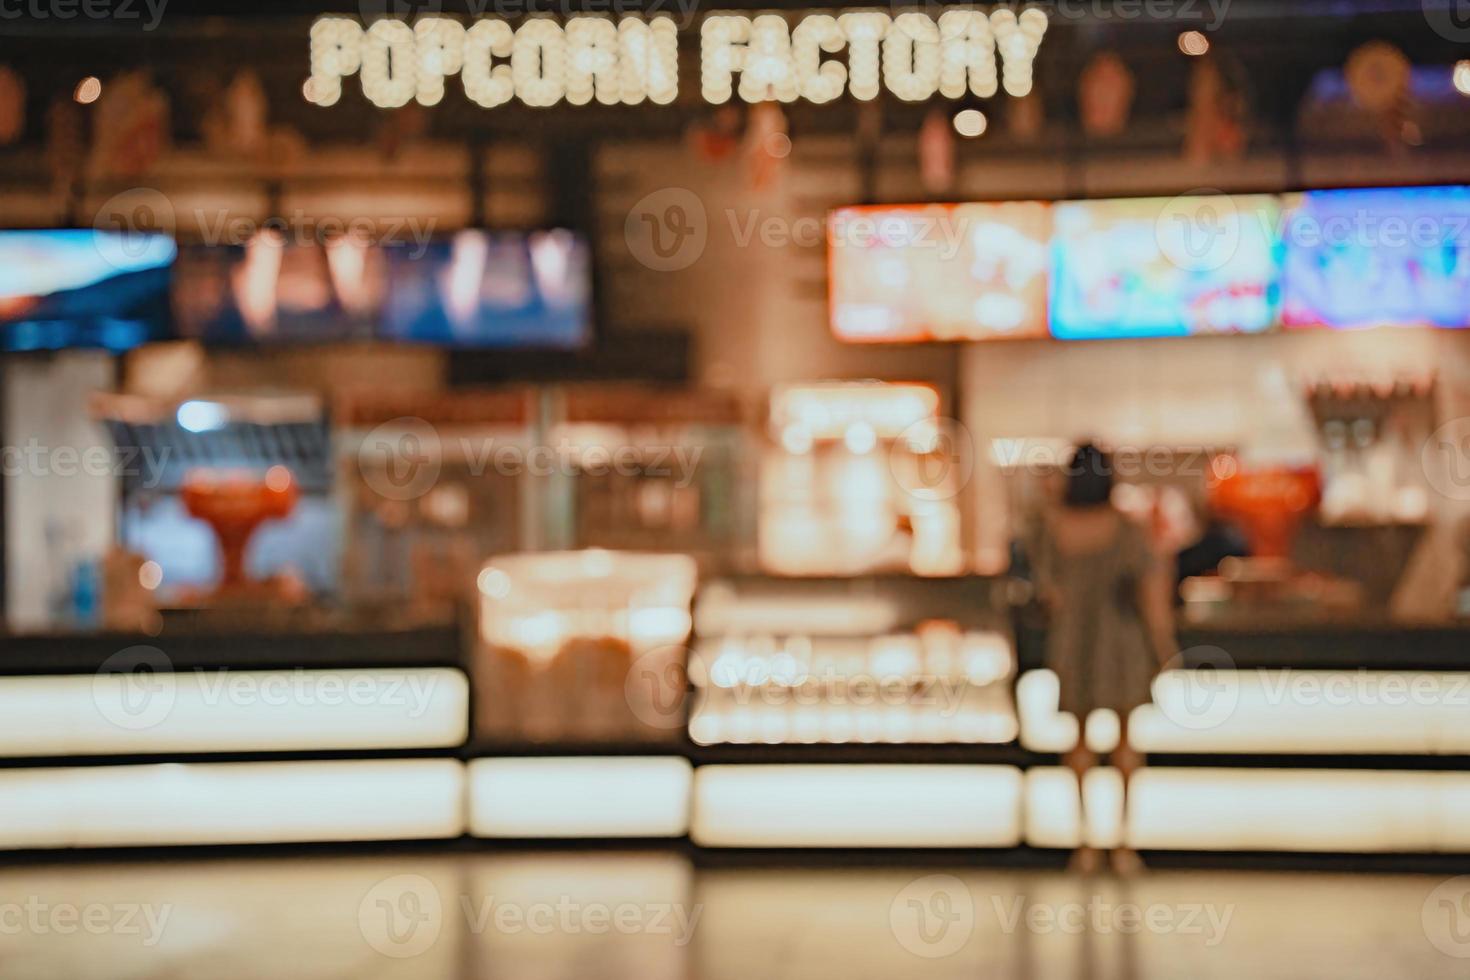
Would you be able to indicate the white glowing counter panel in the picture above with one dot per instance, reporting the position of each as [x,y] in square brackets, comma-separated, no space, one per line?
[857,806]
[231,803]
[1306,711]
[1302,712]
[1299,810]
[233,711]
[579,797]
[1228,809]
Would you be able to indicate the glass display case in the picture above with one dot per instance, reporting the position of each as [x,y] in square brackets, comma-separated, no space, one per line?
[429,485]
[582,647]
[650,469]
[878,661]
[936,685]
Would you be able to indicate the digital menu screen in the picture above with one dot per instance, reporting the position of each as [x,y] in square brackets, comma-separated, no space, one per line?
[63,288]
[938,272]
[1165,267]
[271,290]
[1378,257]
[492,289]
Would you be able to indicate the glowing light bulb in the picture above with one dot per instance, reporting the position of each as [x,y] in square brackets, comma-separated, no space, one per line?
[970,123]
[1193,43]
[88,90]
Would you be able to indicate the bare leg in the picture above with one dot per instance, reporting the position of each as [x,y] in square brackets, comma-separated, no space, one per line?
[1127,760]
[1085,860]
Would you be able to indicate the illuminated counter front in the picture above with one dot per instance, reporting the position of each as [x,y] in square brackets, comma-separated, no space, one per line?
[1268,712]
[1307,712]
[199,711]
[585,797]
[1232,809]
[1299,810]
[231,803]
[857,806]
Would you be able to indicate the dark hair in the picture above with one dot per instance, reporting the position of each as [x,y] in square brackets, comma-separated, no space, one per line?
[1089,477]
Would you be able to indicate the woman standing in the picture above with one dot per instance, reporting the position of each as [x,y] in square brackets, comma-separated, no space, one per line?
[1110,615]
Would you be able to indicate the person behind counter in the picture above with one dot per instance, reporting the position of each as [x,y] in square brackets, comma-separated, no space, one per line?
[1109,607]
[1215,540]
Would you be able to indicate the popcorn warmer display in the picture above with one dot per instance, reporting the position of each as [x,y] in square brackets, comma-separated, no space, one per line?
[937,685]
[580,646]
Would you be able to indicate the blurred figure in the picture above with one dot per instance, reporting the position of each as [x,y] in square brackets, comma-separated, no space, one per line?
[1110,614]
[1215,539]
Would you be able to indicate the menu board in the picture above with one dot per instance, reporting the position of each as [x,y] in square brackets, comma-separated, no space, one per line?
[1378,257]
[1165,267]
[493,289]
[83,288]
[272,291]
[938,272]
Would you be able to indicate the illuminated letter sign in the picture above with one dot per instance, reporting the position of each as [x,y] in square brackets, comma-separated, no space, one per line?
[757,58]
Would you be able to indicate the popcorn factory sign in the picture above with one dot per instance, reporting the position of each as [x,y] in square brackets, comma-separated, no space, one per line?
[632,59]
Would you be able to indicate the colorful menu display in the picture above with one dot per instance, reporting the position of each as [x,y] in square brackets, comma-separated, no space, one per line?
[938,272]
[83,288]
[1152,267]
[1379,257]
[1165,267]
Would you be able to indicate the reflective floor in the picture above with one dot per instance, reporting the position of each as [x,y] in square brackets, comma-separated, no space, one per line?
[608,916]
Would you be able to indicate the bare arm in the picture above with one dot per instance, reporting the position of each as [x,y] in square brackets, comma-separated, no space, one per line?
[1156,603]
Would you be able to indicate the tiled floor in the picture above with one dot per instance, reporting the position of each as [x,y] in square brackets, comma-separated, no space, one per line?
[608,916]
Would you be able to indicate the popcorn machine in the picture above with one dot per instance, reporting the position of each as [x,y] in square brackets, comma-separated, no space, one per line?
[858,478]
